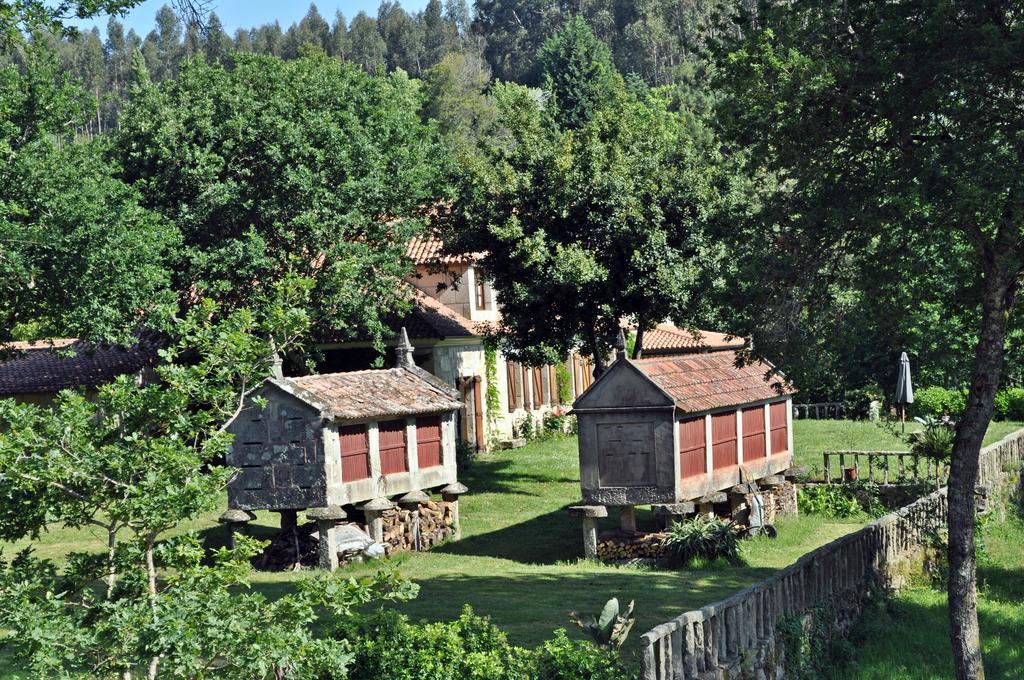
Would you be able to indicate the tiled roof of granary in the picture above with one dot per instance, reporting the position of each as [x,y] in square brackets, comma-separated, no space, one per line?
[371,394]
[704,382]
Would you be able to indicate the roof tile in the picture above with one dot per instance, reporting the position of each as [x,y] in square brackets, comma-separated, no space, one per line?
[704,382]
[381,393]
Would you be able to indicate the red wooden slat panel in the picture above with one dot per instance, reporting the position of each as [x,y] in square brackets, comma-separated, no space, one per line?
[724,450]
[392,447]
[355,453]
[692,452]
[780,429]
[428,441]
[753,433]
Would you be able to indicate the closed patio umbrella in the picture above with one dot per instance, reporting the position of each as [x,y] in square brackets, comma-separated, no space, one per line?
[904,390]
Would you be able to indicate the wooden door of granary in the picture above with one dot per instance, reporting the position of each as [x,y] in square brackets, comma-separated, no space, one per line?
[392,447]
[355,453]
[692,448]
[428,441]
[779,427]
[724,445]
[753,433]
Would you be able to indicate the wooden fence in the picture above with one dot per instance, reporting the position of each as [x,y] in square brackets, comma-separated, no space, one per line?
[885,467]
[739,634]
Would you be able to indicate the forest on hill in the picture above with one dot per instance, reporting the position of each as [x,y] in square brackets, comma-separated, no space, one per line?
[658,43]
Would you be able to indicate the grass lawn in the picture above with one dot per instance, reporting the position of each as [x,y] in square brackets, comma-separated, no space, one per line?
[909,639]
[518,561]
[813,437]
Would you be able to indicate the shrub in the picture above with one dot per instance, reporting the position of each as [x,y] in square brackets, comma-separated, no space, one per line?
[565,659]
[832,501]
[1010,404]
[932,401]
[703,537]
[556,423]
[386,645]
[934,441]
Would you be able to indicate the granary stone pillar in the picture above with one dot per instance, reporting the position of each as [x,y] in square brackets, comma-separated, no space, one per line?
[411,502]
[450,494]
[627,518]
[589,514]
[327,520]
[237,522]
[374,512]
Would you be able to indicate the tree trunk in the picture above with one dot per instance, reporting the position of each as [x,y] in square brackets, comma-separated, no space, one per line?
[595,352]
[154,662]
[1000,287]
[638,342]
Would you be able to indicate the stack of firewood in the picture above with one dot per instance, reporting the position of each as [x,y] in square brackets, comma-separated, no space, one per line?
[628,545]
[289,549]
[436,523]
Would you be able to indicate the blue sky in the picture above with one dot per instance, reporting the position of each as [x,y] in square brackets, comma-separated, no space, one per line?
[248,13]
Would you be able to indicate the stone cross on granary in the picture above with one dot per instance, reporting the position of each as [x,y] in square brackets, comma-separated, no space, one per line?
[626,454]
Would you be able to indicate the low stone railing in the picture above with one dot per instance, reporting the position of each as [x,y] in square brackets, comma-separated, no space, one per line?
[885,467]
[739,634]
[819,411]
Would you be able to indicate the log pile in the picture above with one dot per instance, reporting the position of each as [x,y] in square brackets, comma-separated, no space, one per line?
[436,524]
[627,545]
[289,550]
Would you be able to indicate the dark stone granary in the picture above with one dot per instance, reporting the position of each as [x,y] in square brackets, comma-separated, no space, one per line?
[363,438]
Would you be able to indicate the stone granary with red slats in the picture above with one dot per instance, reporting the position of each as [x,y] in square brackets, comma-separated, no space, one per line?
[363,445]
[678,433]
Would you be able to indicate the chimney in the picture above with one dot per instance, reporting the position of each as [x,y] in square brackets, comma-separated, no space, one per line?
[403,352]
[620,346]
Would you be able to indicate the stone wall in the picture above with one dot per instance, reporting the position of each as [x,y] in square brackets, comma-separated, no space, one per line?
[738,637]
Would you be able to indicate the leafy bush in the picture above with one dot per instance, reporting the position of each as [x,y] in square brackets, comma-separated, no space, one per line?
[934,441]
[703,537]
[858,401]
[564,384]
[386,645]
[932,401]
[1010,404]
[565,659]
[832,501]
[556,423]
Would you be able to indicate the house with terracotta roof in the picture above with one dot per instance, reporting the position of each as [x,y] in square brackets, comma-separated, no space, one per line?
[34,372]
[453,304]
[452,307]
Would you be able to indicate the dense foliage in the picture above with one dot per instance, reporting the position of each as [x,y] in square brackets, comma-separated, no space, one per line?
[272,168]
[388,645]
[589,224]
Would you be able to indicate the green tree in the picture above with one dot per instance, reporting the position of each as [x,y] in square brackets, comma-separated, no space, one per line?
[78,255]
[276,167]
[135,462]
[366,46]
[514,30]
[583,228]
[895,131]
[456,97]
[576,68]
